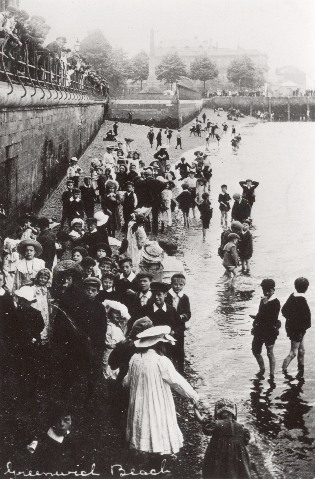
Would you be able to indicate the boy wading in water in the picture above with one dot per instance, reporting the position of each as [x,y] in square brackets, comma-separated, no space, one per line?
[266,326]
[230,258]
[298,319]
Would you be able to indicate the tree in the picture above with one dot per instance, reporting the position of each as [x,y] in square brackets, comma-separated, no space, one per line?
[202,68]
[243,73]
[171,68]
[140,67]
[110,63]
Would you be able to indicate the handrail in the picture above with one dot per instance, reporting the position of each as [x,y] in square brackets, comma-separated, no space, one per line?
[53,77]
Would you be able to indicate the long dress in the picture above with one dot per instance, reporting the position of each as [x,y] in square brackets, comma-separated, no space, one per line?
[42,304]
[26,272]
[226,455]
[136,241]
[152,424]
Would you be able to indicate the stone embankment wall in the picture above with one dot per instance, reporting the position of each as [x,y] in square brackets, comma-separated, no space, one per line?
[284,108]
[160,112]
[38,135]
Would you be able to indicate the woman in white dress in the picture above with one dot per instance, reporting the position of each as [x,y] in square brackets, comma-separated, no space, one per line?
[136,237]
[152,424]
[28,267]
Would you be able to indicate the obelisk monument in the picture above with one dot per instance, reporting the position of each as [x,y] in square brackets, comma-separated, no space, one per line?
[153,85]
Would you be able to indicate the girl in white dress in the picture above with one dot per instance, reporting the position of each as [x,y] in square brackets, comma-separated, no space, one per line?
[152,424]
[136,237]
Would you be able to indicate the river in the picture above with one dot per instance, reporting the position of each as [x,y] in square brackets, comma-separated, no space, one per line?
[282,417]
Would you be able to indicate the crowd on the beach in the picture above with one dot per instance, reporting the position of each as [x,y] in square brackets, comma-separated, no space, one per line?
[93,299]
[22,41]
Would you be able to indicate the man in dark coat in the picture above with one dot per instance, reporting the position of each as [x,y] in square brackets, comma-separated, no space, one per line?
[79,335]
[159,139]
[48,241]
[150,137]
[152,190]
[241,208]
[163,157]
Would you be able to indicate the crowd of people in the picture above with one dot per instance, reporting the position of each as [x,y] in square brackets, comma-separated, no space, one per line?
[94,301]
[22,41]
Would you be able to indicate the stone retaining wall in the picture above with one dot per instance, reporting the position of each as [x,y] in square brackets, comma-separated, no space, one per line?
[36,143]
[161,113]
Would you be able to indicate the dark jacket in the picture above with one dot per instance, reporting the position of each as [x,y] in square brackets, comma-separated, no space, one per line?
[266,324]
[65,199]
[136,304]
[76,209]
[170,318]
[249,192]
[25,327]
[151,189]
[245,247]
[48,241]
[91,239]
[184,200]
[87,196]
[240,210]
[183,307]
[129,204]
[225,198]
[297,314]
[183,169]
[120,357]
[79,329]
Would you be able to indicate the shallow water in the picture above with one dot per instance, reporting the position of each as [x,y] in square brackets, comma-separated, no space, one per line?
[282,418]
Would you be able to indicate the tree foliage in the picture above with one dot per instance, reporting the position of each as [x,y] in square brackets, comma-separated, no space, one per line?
[243,73]
[111,63]
[171,68]
[202,68]
[139,67]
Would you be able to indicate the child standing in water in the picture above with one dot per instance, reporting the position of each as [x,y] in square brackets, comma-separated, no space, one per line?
[298,319]
[184,201]
[246,247]
[224,200]
[226,455]
[205,214]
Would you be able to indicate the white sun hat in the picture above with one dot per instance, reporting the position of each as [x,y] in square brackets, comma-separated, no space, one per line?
[27,293]
[154,335]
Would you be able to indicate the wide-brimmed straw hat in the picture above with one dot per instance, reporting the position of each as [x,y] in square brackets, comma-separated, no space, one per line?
[154,335]
[101,218]
[29,242]
[152,252]
[27,293]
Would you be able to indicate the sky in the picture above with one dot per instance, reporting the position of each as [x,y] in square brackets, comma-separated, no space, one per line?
[283,29]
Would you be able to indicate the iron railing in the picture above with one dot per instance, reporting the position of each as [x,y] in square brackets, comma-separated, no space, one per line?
[47,74]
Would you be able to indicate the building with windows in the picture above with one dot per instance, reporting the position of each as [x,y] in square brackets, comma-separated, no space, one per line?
[190,49]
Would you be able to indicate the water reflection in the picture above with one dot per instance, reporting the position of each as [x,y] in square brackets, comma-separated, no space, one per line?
[281,413]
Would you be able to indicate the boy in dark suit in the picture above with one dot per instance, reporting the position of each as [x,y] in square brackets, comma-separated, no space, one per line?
[180,301]
[161,314]
[130,202]
[144,294]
